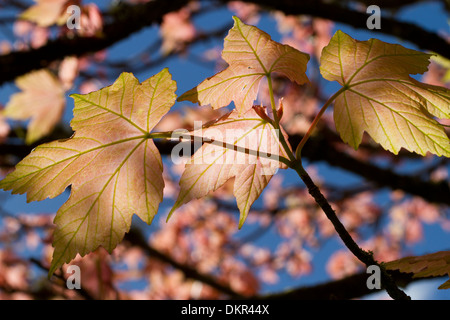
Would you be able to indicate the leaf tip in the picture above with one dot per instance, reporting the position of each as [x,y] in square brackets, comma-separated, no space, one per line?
[242,221]
[75,95]
[175,207]
[242,218]
[52,269]
[236,20]
[191,95]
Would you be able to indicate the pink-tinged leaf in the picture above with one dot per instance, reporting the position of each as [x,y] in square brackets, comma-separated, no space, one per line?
[42,99]
[380,97]
[246,148]
[430,265]
[113,167]
[251,55]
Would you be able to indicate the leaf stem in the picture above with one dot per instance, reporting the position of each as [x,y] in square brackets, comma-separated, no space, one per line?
[272,99]
[276,122]
[305,138]
[161,135]
[170,135]
[362,255]
[296,164]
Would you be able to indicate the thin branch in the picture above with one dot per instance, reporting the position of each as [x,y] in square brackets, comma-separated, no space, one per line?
[363,256]
[321,147]
[85,294]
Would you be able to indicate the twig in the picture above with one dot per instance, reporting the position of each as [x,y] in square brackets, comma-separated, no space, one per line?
[364,256]
[85,294]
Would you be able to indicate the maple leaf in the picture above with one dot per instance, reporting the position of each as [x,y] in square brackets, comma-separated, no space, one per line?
[47,12]
[111,163]
[246,147]
[380,97]
[429,265]
[251,55]
[42,99]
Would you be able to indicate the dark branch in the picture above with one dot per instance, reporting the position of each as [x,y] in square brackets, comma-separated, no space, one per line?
[351,287]
[84,293]
[320,147]
[363,256]
[333,10]
[125,20]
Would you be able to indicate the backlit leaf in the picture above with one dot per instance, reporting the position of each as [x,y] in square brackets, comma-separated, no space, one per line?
[41,99]
[381,98]
[251,55]
[113,167]
[429,265]
[47,12]
[246,148]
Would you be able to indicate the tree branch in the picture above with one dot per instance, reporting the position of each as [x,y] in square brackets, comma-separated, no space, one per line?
[83,293]
[124,19]
[320,147]
[332,10]
[351,287]
[363,256]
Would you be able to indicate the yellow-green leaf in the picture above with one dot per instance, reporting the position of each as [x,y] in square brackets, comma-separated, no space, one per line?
[47,12]
[429,265]
[251,55]
[380,97]
[113,167]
